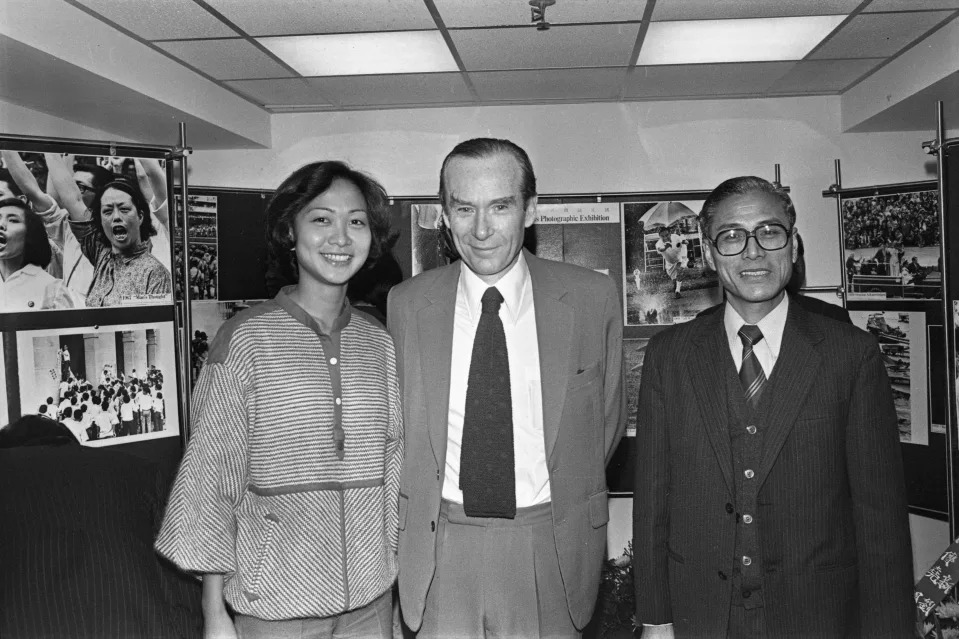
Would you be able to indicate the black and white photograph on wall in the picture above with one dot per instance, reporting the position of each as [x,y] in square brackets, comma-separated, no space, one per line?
[666,279]
[82,232]
[108,384]
[584,234]
[902,342]
[202,261]
[429,246]
[892,246]
[207,318]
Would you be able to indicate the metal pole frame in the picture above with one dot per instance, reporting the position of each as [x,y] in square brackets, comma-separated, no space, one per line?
[184,307]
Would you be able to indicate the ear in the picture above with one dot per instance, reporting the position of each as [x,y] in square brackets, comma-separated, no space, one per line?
[795,245]
[530,216]
[708,254]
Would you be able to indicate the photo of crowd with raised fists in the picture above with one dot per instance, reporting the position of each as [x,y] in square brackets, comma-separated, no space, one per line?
[108,385]
[82,232]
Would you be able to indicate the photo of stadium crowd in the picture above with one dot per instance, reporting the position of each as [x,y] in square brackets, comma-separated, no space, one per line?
[892,246]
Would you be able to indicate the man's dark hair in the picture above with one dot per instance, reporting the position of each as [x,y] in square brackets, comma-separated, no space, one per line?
[11,183]
[101,176]
[34,430]
[36,245]
[132,189]
[743,186]
[479,148]
[305,184]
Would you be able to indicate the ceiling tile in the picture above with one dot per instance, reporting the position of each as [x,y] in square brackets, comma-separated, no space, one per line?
[702,80]
[711,9]
[812,76]
[298,17]
[285,92]
[879,35]
[226,59]
[560,47]
[389,90]
[161,19]
[502,13]
[910,5]
[549,84]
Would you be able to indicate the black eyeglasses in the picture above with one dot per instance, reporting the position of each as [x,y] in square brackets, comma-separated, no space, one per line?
[770,237]
[84,189]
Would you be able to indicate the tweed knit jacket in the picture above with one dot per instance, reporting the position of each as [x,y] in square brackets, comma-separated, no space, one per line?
[289,483]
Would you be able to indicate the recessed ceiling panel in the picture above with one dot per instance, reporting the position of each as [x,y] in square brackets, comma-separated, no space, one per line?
[364,53]
[736,40]
[161,19]
[505,13]
[878,35]
[815,76]
[560,47]
[289,17]
[394,90]
[704,80]
[226,59]
[910,5]
[718,10]
[286,92]
[549,84]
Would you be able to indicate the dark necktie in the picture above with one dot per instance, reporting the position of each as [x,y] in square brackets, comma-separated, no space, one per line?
[751,373]
[487,473]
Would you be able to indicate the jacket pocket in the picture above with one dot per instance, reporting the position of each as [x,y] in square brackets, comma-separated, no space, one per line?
[598,509]
[404,505]
[262,552]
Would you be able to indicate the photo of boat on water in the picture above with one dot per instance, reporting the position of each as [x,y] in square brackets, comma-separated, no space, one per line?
[901,337]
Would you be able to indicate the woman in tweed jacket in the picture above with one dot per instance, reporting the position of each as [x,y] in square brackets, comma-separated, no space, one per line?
[286,498]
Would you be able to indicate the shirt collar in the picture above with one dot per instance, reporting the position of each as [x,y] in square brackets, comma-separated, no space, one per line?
[28,270]
[512,286]
[300,314]
[772,326]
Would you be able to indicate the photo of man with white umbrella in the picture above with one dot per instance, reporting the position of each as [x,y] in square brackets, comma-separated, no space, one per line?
[663,254]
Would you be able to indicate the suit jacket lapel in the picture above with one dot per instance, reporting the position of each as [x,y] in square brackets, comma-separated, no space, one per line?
[796,368]
[435,327]
[708,361]
[554,337]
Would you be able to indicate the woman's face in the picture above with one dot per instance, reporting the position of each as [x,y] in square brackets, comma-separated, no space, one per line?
[13,232]
[332,235]
[120,220]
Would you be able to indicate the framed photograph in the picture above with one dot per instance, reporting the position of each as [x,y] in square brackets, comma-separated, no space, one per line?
[892,246]
[666,279]
[208,317]
[103,241]
[202,261]
[902,342]
[429,246]
[108,384]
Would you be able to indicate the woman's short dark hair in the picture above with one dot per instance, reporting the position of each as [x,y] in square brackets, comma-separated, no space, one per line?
[139,202]
[36,246]
[302,186]
[34,430]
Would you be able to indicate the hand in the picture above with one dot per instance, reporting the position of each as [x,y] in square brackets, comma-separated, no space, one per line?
[658,632]
[218,626]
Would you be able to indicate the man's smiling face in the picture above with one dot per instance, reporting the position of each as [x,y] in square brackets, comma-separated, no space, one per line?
[756,278]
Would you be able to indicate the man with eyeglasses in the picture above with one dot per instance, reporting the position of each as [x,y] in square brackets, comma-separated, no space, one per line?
[769,494]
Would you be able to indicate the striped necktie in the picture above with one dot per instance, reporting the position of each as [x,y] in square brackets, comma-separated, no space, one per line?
[751,374]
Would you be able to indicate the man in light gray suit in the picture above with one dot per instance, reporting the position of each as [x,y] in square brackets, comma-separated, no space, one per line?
[511,370]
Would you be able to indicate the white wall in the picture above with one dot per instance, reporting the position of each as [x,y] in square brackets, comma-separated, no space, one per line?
[585,148]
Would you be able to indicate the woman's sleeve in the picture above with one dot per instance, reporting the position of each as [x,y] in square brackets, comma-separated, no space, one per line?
[159,282]
[394,449]
[56,296]
[87,237]
[199,528]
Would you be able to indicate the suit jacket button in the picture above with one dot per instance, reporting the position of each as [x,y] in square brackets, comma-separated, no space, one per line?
[722,575]
[747,594]
[729,508]
[432,526]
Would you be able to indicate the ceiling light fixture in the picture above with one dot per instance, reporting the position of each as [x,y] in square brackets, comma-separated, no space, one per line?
[538,13]
[734,40]
[364,53]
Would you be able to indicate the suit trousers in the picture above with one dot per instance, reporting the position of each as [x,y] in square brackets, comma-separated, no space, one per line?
[372,621]
[496,577]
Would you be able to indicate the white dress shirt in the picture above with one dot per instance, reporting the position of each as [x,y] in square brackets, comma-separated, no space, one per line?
[519,324]
[772,327]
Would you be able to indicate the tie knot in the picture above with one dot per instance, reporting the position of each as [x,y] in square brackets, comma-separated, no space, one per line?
[492,300]
[750,334]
